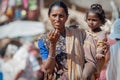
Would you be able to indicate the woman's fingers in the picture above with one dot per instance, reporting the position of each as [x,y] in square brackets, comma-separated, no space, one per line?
[54,35]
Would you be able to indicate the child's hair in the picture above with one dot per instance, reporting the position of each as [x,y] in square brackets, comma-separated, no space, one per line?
[98,10]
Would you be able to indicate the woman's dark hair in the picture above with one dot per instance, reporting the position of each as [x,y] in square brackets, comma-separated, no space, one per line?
[60,4]
[98,10]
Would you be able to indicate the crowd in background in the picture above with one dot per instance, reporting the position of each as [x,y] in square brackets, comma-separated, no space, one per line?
[20,9]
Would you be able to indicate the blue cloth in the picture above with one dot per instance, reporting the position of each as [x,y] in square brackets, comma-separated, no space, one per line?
[17,13]
[43,50]
[1,76]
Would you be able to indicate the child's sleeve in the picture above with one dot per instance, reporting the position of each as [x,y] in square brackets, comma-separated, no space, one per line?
[101,46]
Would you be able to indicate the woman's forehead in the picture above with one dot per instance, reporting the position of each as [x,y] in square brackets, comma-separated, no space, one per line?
[57,9]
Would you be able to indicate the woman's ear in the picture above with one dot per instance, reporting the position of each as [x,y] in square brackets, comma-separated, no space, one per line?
[67,17]
[49,18]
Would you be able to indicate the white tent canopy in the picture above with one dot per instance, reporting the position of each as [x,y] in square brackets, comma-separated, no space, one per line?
[21,28]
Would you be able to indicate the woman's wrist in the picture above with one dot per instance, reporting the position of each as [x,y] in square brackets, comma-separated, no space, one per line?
[51,56]
[52,44]
[52,49]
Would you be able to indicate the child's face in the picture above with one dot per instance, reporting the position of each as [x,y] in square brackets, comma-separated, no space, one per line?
[93,21]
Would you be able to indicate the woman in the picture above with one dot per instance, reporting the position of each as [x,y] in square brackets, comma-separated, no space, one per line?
[62,48]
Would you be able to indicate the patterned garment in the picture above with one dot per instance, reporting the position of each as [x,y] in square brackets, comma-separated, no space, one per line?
[61,57]
[69,54]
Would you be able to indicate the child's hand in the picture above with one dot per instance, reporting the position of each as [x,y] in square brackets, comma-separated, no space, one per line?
[99,56]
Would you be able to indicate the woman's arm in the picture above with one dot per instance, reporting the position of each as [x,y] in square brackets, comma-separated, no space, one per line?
[49,63]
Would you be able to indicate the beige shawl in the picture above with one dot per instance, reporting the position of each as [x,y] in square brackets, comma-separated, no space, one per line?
[74,48]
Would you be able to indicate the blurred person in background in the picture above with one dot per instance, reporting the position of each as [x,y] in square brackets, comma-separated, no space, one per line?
[34,53]
[24,69]
[113,69]
[1,63]
[7,53]
[20,66]
[11,48]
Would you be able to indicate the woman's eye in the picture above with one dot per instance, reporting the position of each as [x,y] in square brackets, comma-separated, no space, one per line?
[61,16]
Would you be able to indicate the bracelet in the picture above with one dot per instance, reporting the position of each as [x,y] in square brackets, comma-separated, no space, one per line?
[53,57]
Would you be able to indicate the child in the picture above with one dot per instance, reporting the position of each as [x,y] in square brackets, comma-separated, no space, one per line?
[113,69]
[94,49]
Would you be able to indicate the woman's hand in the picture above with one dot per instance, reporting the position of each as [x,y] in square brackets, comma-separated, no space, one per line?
[53,36]
[49,64]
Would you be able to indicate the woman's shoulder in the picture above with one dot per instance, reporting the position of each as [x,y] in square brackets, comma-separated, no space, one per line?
[43,36]
[43,39]
[75,28]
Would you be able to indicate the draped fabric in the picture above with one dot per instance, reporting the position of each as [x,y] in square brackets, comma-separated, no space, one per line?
[74,48]
[69,54]
[113,69]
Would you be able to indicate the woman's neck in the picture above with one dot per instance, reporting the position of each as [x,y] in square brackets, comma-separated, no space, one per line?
[63,32]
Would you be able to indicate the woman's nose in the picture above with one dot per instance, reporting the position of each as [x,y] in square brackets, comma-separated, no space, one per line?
[57,18]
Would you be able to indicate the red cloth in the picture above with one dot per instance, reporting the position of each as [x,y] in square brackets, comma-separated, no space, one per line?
[111,41]
[102,75]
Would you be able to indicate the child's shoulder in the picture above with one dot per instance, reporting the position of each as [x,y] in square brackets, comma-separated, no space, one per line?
[104,32]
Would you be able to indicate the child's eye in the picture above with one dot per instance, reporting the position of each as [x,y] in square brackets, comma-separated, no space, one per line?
[95,20]
[88,19]
[54,15]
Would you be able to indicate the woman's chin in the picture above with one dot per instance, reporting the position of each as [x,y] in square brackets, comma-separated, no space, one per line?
[57,27]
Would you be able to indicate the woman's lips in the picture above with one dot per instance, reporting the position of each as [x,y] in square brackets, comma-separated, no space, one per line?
[58,23]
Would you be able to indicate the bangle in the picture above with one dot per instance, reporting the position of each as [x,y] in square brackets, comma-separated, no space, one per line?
[53,57]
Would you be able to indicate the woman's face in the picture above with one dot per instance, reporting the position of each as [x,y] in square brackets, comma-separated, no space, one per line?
[58,17]
[93,21]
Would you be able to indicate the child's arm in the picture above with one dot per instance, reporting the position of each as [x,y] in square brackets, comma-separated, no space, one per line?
[101,49]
